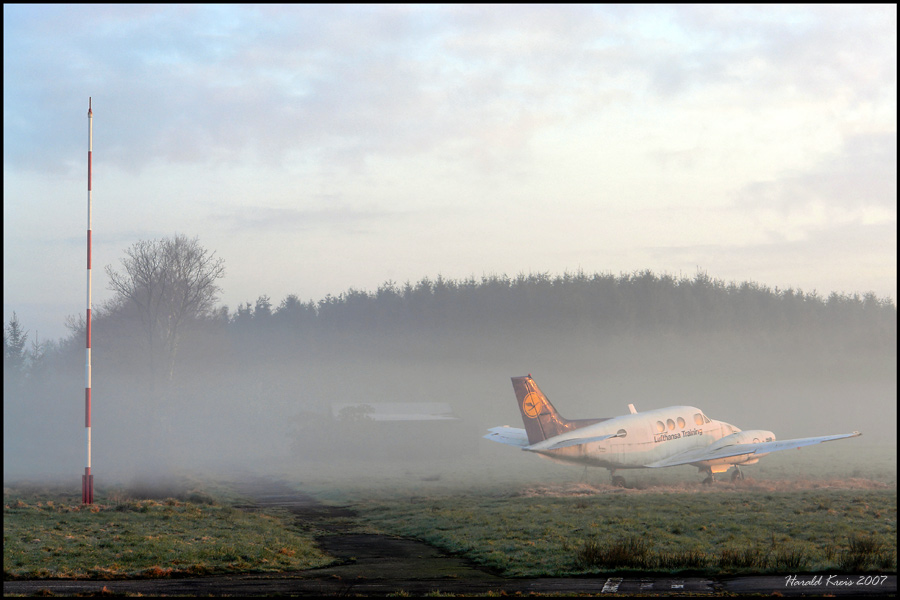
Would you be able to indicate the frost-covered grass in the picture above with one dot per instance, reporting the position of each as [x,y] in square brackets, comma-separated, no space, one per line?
[825,509]
[522,517]
[592,529]
[48,533]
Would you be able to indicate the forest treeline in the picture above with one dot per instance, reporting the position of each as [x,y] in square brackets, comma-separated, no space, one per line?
[641,304]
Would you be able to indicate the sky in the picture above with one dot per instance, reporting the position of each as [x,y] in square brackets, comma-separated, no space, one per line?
[317,149]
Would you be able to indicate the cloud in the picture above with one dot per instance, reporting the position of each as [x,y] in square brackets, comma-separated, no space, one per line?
[275,219]
[858,182]
[224,85]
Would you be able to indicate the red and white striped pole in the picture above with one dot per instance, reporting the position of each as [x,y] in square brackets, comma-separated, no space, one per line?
[87,480]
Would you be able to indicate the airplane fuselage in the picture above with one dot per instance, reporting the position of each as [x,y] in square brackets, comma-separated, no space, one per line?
[651,436]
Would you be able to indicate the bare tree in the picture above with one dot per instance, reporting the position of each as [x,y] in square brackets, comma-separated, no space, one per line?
[167,283]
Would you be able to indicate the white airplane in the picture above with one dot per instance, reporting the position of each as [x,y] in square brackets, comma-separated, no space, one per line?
[665,437]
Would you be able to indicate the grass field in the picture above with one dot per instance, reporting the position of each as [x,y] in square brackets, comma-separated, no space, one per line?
[49,534]
[825,510]
[518,521]
[591,529]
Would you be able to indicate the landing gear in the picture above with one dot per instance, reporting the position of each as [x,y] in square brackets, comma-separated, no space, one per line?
[617,480]
[710,478]
[736,474]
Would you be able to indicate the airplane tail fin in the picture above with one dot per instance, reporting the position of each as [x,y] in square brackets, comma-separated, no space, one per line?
[541,419]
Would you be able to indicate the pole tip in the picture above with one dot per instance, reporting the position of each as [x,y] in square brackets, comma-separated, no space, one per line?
[89,106]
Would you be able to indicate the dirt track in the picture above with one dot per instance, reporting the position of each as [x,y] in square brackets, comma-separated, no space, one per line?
[363,557]
[380,565]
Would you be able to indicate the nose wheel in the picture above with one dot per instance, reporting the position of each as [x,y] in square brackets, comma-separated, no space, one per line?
[736,474]
[617,480]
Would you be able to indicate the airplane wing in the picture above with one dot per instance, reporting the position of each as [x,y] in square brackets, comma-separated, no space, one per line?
[508,435]
[702,454]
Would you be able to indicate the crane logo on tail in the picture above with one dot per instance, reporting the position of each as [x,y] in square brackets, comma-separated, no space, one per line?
[532,405]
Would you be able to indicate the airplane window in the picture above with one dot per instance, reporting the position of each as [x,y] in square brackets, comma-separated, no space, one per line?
[660,426]
[705,419]
[680,422]
[671,424]
[621,433]
[698,419]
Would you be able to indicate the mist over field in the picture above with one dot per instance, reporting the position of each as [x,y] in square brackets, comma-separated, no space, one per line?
[360,379]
